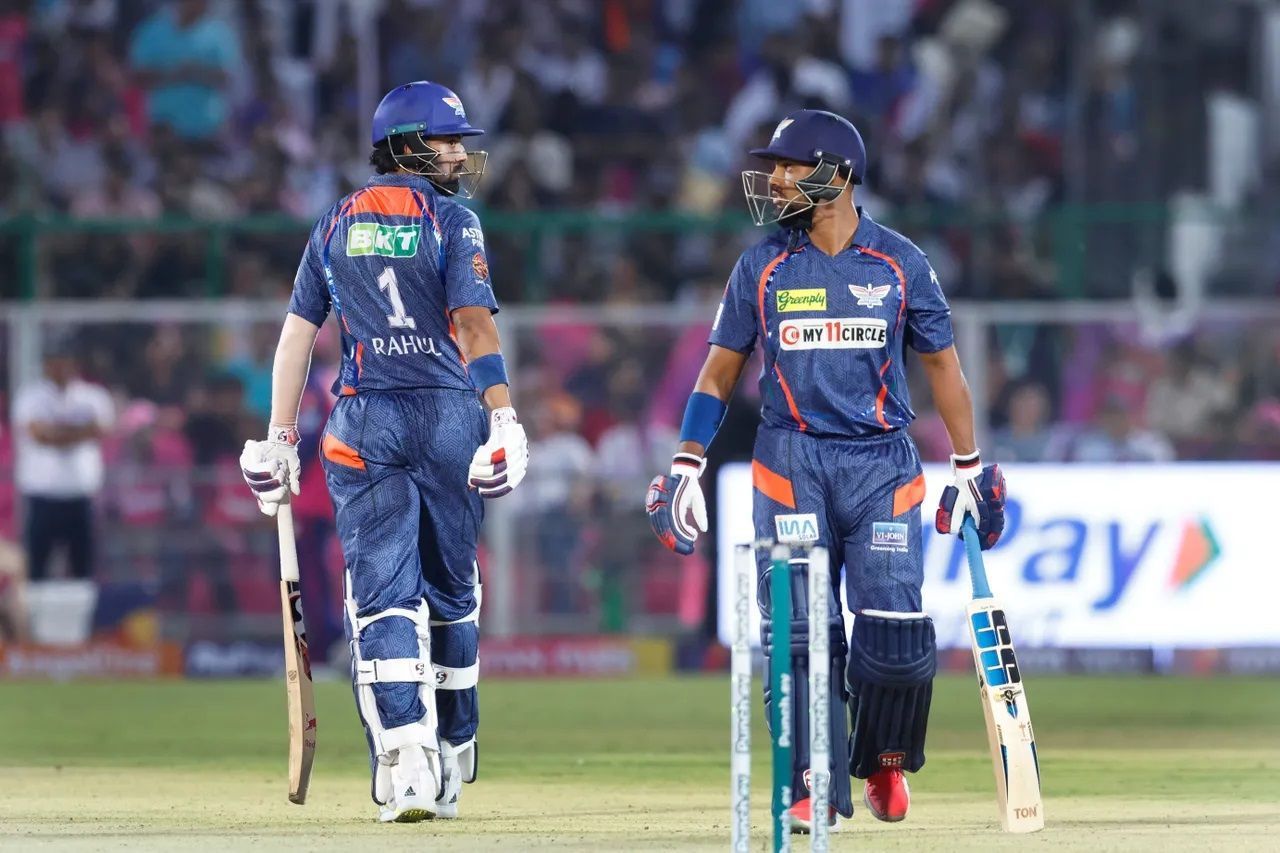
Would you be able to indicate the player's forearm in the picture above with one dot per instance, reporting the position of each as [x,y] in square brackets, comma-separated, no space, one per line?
[718,378]
[951,398]
[289,371]
[477,336]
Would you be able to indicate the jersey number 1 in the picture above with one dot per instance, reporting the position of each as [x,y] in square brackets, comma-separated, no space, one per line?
[397,319]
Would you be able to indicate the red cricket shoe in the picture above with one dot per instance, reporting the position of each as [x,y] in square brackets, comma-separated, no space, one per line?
[887,795]
[802,817]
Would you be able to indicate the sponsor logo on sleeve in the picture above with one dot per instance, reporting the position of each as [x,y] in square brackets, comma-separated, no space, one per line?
[480,266]
[475,235]
[794,529]
[814,299]
[841,333]
[388,241]
[889,536]
[870,296]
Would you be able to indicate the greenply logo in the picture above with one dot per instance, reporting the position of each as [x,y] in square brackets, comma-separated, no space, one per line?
[389,241]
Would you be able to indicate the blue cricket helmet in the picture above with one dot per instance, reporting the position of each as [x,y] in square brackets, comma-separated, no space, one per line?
[424,108]
[813,136]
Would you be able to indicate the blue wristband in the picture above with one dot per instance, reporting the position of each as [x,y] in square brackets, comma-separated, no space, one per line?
[487,371]
[702,417]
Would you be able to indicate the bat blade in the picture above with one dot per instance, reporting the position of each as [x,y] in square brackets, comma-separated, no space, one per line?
[299,689]
[1004,705]
[300,694]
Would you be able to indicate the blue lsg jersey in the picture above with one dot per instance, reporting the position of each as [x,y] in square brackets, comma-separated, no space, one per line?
[393,260]
[833,328]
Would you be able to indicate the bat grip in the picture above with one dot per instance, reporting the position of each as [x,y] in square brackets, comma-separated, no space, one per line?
[288,544]
[973,550]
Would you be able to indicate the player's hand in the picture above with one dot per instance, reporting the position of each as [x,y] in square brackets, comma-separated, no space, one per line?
[978,493]
[271,467]
[501,462]
[677,510]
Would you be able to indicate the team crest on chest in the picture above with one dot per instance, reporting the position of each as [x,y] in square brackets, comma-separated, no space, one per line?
[870,296]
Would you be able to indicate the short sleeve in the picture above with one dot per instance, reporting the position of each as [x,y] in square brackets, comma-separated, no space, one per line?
[310,299]
[736,322]
[466,275]
[928,315]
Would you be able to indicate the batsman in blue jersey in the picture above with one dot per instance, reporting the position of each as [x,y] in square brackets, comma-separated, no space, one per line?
[409,452]
[835,300]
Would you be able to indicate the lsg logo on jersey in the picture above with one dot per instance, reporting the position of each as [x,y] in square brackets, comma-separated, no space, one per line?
[842,333]
[871,296]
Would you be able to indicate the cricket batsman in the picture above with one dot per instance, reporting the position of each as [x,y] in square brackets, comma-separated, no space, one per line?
[409,452]
[834,299]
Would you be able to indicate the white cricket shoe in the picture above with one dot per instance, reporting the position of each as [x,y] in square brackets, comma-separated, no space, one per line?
[458,765]
[415,784]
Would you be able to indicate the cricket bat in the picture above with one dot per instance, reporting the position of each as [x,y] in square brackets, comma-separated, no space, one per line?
[1004,701]
[297,664]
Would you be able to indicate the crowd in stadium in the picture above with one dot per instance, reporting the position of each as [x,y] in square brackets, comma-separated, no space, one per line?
[219,111]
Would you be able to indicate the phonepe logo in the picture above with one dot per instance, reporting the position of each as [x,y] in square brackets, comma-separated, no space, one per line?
[388,241]
[842,333]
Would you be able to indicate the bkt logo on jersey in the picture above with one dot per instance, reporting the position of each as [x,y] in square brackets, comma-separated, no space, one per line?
[389,241]
[843,333]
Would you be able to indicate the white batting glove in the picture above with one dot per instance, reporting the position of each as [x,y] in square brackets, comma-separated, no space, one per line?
[966,470]
[271,468]
[675,504]
[501,462]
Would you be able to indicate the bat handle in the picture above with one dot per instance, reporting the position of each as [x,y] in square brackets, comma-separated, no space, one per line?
[973,550]
[288,545]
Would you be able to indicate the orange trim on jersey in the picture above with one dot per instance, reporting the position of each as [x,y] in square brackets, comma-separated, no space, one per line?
[908,496]
[897,326]
[339,452]
[791,401]
[902,281]
[764,331]
[884,392]
[773,486]
[359,359]
[385,201]
[346,391]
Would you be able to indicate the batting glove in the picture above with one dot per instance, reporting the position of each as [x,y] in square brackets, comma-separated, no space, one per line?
[501,462]
[677,510]
[271,467]
[978,493]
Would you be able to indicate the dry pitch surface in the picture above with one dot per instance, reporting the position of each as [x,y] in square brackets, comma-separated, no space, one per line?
[1129,764]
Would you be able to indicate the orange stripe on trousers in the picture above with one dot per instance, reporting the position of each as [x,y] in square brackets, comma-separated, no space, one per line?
[339,452]
[773,486]
[908,496]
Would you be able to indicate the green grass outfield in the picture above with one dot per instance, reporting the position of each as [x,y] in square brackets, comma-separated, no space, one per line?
[1128,764]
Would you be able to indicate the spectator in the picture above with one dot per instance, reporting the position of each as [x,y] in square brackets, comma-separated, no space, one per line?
[184,57]
[1027,436]
[1116,438]
[59,422]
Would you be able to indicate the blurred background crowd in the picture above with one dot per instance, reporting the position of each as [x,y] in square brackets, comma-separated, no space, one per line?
[180,150]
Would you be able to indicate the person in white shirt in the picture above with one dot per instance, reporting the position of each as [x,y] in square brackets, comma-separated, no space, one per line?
[58,424]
